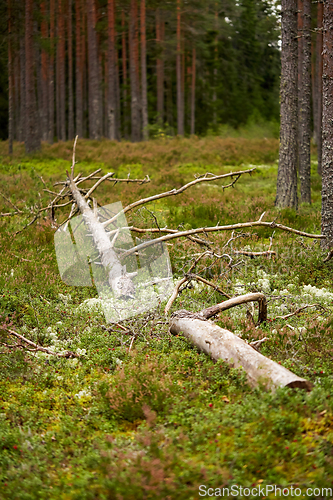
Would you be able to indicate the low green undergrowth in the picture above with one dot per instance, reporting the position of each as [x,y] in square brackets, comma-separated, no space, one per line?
[141,413]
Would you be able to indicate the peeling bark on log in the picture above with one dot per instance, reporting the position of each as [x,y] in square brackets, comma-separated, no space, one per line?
[219,343]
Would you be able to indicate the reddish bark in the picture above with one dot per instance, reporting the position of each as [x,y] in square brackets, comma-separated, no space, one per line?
[45,80]
[93,74]
[160,63]
[193,91]
[70,73]
[180,113]
[78,70]
[144,102]
[10,83]
[124,70]
[134,72]
[32,141]
[51,75]
[111,107]
[60,91]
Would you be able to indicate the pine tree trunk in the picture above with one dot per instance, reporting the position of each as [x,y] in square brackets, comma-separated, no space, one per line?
[314,89]
[61,69]
[160,64]
[215,64]
[38,69]
[84,70]
[10,82]
[51,76]
[111,72]
[17,72]
[118,114]
[134,73]
[32,141]
[180,115]
[319,100]
[193,91]
[286,193]
[70,73]
[124,69]
[78,70]
[45,80]
[93,74]
[304,99]
[22,91]
[144,101]
[327,127]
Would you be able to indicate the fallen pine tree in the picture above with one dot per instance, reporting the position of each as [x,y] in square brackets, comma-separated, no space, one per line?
[219,343]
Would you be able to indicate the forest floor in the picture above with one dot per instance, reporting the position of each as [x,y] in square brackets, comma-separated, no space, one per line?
[161,420]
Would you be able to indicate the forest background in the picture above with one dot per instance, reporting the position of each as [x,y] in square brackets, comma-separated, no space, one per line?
[130,70]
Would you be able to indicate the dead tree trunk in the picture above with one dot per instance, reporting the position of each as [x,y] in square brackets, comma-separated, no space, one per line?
[286,191]
[119,281]
[222,344]
[219,343]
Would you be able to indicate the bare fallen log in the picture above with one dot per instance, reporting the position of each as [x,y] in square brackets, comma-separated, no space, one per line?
[219,343]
